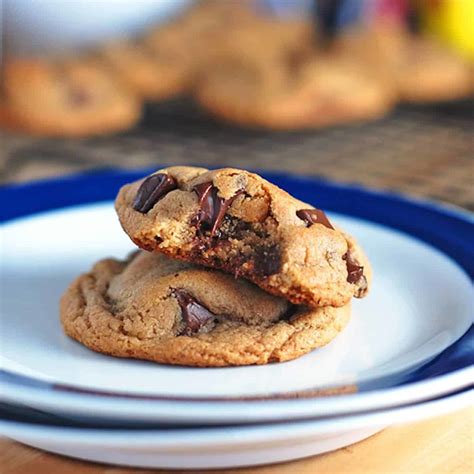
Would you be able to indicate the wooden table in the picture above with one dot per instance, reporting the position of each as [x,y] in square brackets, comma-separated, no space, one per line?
[440,445]
[426,152]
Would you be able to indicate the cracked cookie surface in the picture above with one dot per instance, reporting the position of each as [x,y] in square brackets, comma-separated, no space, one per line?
[154,308]
[236,221]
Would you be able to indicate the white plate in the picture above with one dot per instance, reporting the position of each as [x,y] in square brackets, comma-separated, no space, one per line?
[420,304]
[221,447]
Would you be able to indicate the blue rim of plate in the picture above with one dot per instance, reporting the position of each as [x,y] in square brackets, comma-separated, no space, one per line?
[446,228]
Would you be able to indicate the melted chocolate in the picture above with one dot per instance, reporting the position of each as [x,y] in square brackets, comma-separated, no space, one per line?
[152,190]
[314,216]
[354,271]
[195,315]
[213,207]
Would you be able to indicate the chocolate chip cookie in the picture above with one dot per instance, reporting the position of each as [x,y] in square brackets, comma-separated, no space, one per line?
[150,73]
[238,222]
[177,49]
[154,308]
[71,97]
[428,71]
[294,87]
[420,69]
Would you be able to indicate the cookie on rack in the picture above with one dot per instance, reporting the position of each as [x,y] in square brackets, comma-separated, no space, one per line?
[292,85]
[238,222]
[151,74]
[154,308]
[421,69]
[428,71]
[71,97]
[176,49]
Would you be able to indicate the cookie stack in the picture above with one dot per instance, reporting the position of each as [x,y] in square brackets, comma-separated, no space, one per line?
[232,271]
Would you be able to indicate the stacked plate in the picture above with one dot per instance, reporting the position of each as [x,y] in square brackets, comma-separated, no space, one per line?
[407,353]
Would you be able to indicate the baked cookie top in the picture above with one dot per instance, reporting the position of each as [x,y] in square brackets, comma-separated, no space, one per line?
[151,307]
[238,222]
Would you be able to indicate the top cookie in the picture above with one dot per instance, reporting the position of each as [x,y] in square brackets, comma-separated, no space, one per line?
[238,222]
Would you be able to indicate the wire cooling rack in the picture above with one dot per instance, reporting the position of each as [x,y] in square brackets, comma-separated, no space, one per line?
[424,151]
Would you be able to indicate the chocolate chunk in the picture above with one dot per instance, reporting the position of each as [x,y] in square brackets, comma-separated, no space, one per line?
[354,271]
[194,314]
[152,190]
[207,201]
[314,216]
[295,58]
[79,97]
[267,261]
[213,207]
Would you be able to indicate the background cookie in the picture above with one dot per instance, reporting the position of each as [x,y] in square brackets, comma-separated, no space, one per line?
[154,308]
[151,74]
[289,83]
[181,47]
[429,71]
[420,68]
[71,98]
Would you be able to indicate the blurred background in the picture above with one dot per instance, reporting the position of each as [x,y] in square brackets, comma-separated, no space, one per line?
[375,92]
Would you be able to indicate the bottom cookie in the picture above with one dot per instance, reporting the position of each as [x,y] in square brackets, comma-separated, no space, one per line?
[154,308]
